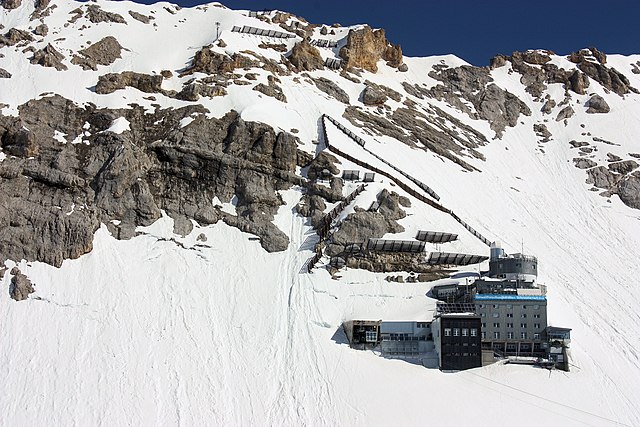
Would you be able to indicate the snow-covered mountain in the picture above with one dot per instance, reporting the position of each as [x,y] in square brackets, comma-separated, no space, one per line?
[162,171]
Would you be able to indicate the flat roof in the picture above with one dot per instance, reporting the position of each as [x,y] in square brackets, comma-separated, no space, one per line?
[508,297]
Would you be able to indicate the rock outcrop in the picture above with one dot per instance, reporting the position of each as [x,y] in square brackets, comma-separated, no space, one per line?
[54,202]
[597,105]
[271,89]
[596,69]
[331,89]
[305,57]
[15,36]
[11,4]
[21,287]
[103,52]
[95,14]
[140,17]
[373,96]
[111,82]
[4,74]
[49,57]
[365,47]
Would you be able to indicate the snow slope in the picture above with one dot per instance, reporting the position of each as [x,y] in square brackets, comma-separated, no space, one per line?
[148,332]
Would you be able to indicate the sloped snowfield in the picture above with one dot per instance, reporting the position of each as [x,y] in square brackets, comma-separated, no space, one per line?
[165,330]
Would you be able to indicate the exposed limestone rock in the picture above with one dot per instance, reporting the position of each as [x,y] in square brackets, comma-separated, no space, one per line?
[49,57]
[221,43]
[21,287]
[576,144]
[613,158]
[103,52]
[323,166]
[111,82]
[582,163]
[365,47]
[629,191]
[140,17]
[623,167]
[193,91]
[305,57]
[499,107]
[331,89]
[403,68]
[597,105]
[610,78]
[548,106]
[209,62]
[4,74]
[541,130]
[536,57]
[132,176]
[387,91]
[601,177]
[11,4]
[41,30]
[373,96]
[96,15]
[565,113]
[278,47]
[272,89]
[578,82]
[15,36]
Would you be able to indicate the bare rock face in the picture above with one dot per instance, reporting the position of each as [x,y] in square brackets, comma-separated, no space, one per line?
[140,17]
[597,105]
[11,4]
[4,74]
[193,92]
[541,130]
[373,96]
[111,82]
[602,177]
[306,57]
[271,89]
[548,106]
[49,57]
[629,191]
[21,286]
[331,89]
[498,106]
[610,78]
[95,14]
[582,163]
[565,113]
[41,30]
[131,176]
[15,36]
[365,47]
[623,167]
[209,62]
[103,52]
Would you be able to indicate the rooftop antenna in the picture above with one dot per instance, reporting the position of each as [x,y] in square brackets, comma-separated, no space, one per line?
[217,30]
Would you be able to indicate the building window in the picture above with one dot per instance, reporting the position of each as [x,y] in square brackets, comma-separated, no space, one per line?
[536,336]
[422,325]
[495,305]
[482,314]
[536,325]
[510,335]
[509,314]
[483,335]
[536,307]
[465,332]
[484,324]
[480,305]
[510,325]
[523,325]
[509,306]
[456,332]
[523,315]
[496,335]
[523,335]
[536,316]
[447,332]
[474,332]
[524,307]
[496,325]
[371,336]
[496,315]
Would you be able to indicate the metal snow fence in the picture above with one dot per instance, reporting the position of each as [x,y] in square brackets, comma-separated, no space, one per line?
[324,43]
[351,175]
[436,236]
[444,258]
[384,245]
[369,176]
[262,32]
[333,63]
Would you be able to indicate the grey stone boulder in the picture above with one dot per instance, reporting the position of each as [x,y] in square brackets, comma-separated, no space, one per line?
[49,57]
[332,89]
[597,105]
[103,52]
[582,163]
[21,287]
[4,74]
[602,177]
[565,113]
[629,191]
[373,96]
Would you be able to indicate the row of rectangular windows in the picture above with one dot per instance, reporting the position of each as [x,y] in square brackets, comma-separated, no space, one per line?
[510,335]
[509,306]
[465,332]
[510,325]
[510,315]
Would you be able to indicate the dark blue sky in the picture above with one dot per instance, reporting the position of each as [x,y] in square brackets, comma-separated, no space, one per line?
[475,30]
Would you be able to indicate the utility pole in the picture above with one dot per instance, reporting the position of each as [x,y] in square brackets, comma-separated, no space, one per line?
[217,30]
